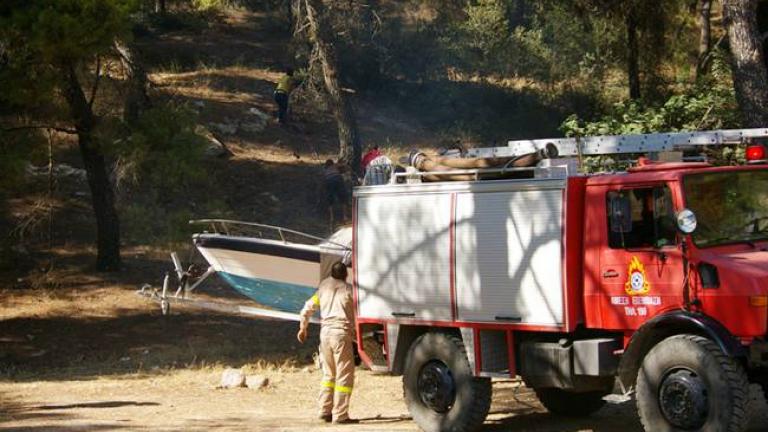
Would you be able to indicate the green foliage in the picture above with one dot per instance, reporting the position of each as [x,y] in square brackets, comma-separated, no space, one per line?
[16,148]
[162,150]
[147,221]
[160,162]
[700,108]
[42,36]
[549,42]
[486,26]
[69,30]
[707,105]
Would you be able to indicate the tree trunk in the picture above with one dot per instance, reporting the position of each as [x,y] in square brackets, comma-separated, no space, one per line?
[4,60]
[750,79]
[705,39]
[321,35]
[107,224]
[633,56]
[288,5]
[136,98]
[160,6]
[3,54]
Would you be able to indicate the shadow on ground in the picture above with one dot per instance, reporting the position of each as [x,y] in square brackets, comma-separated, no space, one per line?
[11,411]
[88,348]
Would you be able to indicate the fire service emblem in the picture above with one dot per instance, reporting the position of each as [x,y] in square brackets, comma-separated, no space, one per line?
[637,283]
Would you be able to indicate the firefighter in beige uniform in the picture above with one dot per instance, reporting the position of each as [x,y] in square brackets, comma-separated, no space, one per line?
[334,298]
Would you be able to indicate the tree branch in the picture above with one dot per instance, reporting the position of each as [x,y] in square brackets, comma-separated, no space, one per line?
[28,127]
[706,58]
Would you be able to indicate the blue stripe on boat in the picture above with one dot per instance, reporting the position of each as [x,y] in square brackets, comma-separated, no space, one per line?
[281,296]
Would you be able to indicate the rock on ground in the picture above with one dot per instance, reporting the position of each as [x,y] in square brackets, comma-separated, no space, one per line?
[225,128]
[256,381]
[214,147]
[232,378]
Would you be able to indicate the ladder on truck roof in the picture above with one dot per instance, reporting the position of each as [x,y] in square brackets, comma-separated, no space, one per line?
[623,144]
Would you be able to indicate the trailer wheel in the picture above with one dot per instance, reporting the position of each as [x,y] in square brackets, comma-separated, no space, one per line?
[439,388]
[687,383]
[570,404]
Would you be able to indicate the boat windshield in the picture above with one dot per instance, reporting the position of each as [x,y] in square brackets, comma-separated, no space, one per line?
[730,206]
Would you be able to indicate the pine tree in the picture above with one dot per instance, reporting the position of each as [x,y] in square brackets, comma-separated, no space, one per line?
[48,47]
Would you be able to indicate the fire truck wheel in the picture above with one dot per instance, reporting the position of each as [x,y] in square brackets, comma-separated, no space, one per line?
[570,404]
[439,388]
[687,383]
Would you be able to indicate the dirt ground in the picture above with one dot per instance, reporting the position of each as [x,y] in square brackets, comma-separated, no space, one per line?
[91,355]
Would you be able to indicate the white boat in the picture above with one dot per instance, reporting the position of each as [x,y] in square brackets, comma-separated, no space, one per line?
[277,274]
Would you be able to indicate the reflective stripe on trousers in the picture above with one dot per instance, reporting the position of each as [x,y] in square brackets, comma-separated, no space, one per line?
[338,374]
[343,389]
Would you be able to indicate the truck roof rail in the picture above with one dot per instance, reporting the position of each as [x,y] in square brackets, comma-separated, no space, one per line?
[555,171]
[623,144]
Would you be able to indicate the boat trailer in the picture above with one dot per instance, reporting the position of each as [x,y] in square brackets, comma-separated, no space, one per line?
[179,284]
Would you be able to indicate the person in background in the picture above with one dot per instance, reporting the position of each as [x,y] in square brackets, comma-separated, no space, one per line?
[335,190]
[370,155]
[334,299]
[283,91]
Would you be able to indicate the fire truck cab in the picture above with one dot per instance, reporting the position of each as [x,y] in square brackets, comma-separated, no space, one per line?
[650,284]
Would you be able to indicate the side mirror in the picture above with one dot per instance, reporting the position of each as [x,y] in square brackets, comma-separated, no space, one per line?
[686,221]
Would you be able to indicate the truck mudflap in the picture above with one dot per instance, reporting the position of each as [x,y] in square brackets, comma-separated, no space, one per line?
[666,325]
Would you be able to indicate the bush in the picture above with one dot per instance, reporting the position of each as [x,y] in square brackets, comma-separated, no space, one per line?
[705,106]
[162,150]
[700,108]
[158,163]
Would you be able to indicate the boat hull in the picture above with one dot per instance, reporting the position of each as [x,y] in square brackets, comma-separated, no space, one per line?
[279,275]
[277,295]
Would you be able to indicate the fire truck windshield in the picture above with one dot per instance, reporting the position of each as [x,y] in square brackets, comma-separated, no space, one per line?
[730,206]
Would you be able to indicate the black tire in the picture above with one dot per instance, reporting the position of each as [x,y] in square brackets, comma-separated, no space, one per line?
[462,410]
[570,404]
[687,383]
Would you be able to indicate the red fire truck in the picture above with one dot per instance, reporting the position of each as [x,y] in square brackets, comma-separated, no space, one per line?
[650,283]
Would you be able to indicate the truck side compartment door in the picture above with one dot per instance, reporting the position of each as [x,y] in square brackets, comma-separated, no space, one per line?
[404,246]
[509,256]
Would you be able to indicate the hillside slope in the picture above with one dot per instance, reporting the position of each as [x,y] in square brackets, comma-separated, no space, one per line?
[227,73]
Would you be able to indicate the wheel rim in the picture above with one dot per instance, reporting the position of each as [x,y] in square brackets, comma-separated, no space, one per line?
[683,399]
[437,388]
